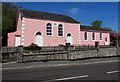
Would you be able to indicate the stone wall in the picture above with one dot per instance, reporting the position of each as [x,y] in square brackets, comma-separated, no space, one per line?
[72,54]
[103,52]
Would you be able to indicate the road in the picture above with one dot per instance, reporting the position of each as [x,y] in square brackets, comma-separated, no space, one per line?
[91,71]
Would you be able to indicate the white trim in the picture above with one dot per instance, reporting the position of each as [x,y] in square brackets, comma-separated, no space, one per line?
[38,31]
[23,24]
[79,42]
[22,43]
[23,20]
[22,35]
[23,28]
[70,33]
[23,31]
[46,29]
[22,39]
[63,30]
[56,23]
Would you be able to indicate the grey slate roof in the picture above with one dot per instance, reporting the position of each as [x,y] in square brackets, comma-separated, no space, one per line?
[90,28]
[46,16]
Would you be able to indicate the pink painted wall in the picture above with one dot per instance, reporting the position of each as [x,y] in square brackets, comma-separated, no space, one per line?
[89,41]
[11,38]
[32,26]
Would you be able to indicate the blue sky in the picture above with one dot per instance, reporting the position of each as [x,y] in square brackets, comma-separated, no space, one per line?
[84,12]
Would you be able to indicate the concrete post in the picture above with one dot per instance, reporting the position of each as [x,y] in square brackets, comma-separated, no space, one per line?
[20,55]
[68,48]
[98,48]
[117,47]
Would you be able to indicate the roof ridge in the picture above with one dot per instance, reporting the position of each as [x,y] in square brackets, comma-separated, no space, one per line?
[47,15]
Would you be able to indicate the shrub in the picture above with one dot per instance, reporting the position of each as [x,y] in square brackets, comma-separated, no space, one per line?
[32,47]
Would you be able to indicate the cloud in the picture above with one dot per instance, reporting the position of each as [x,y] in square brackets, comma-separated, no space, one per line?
[73,10]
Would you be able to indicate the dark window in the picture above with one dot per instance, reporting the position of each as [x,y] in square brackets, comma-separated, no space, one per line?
[85,36]
[105,39]
[60,30]
[68,34]
[38,33]
[100,36]
[49,29]
[93,36]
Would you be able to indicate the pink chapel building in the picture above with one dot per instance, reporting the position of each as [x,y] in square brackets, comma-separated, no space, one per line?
[47,29]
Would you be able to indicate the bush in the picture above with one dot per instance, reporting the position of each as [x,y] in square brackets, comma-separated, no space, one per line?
[32,47]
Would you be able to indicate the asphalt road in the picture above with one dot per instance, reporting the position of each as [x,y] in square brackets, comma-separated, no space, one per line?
[93,71]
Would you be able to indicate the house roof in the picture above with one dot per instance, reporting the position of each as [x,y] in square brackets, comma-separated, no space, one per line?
[46,16]
[90,28]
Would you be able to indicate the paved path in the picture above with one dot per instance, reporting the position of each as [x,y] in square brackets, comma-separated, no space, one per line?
[93,69]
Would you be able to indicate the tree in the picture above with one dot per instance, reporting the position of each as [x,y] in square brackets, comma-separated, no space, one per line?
[114,36]
[97,23]
[9,16]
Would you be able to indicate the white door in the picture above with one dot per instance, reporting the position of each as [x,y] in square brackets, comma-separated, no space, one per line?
[39,40]
[69,39]
[17,41]
[106,41]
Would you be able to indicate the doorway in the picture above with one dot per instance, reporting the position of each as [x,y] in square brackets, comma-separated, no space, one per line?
[69,39]
[17,40]
[39,39]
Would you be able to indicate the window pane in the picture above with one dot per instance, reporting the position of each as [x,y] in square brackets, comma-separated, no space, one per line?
[49,29]
[60,30]
[93,35]
[85,35]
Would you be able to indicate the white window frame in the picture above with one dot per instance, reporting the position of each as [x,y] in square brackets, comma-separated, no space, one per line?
[62,30]
[51,29]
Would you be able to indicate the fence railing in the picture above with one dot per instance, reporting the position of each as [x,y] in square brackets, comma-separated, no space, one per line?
[17,54]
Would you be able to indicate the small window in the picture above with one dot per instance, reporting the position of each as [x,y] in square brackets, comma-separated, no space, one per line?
[60,30]
[85,36]
[100,36]
[68,34]
[49,29]
[93,36]
[105,39]
[38,33]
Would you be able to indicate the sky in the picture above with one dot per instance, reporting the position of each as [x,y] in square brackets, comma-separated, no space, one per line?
[84,12]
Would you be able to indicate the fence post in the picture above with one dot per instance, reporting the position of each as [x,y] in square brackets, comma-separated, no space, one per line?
[68,48]
[117,47]
[20,54]
[98,48]
[54,48]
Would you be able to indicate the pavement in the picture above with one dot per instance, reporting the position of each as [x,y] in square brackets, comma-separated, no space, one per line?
[13,65]
[87,69]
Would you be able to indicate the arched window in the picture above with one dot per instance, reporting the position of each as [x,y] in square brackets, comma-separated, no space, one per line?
[93,36]
[100,36]
[60,30]
[38,33]
[68,34]
[85,36]
[49,29]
